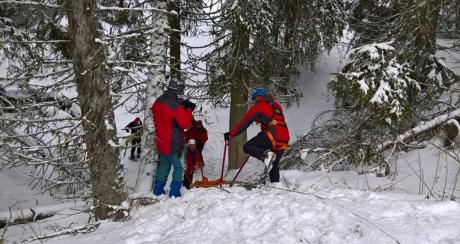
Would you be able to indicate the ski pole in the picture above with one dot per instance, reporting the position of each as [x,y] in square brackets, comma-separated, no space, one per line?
[223,164]
[241,168]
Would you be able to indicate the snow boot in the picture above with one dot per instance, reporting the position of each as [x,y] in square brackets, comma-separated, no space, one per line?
[174,190]
[159,187]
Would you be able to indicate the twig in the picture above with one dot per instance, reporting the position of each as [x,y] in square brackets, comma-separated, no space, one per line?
[419,176]
[8,221]
[455,184]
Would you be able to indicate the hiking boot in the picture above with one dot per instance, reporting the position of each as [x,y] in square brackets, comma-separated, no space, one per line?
[268,161]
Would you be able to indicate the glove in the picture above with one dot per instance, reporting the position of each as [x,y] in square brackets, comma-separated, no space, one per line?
[227,136]
[188,105]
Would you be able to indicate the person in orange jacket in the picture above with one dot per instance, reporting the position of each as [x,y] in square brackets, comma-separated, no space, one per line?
[269,145]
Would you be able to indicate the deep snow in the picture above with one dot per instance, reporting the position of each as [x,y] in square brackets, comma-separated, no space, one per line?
[267,215]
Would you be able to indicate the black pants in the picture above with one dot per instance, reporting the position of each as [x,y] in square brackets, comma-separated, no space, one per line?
[136,143]
[188,178]
[257,146]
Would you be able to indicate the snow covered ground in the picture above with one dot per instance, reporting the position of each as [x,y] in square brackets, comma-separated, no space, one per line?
[270,215]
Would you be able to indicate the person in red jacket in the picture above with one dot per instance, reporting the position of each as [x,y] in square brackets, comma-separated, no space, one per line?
[269,144]
[194,161]
[171,118]
[201,135]
[198,133]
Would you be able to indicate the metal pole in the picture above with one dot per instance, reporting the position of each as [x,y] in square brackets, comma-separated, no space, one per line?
[223,164]
[241,168]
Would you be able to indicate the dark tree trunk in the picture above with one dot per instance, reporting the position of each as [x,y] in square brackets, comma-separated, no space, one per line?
[291,15]
[425,37]
[174,39]
[239,95]
[96,106]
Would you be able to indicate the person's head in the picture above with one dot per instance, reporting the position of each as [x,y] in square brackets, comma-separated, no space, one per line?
[191,144]
[176,86]
[199,124]
[137,120]
[258,92]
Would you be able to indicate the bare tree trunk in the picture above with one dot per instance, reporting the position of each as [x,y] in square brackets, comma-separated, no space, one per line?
[174,39]
[239,95]
[154,88]
[97,110]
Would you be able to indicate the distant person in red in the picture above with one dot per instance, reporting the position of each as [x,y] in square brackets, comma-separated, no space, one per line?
[135,127]
[194,161]
[198,133]
[171,117]
[269,145]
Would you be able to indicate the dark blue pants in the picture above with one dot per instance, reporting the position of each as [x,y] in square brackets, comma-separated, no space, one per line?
[257,146]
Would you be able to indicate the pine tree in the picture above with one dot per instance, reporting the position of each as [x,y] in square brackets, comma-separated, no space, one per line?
[40,128]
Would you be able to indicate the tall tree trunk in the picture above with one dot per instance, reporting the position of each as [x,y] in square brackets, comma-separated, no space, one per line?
[425,36]
[239,95]
[154,88]
[174,39]
[291,15]
[97,110]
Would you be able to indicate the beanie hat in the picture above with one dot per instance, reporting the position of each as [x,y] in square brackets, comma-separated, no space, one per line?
[176,86]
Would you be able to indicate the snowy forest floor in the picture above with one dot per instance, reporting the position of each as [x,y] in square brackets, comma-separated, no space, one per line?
[312,207]
[270,215]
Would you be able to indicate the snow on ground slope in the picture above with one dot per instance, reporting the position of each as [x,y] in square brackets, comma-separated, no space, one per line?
[270,215]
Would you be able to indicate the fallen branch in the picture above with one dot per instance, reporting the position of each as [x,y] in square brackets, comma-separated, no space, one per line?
[18,217]
[142,201]
[32,217]
[73,231]
[420,128]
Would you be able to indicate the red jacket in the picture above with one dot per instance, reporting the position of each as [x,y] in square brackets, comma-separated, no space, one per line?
[170,120]
[193,159]
[265,110]
[199,134]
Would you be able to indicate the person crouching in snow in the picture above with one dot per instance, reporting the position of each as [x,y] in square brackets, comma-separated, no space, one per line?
[194,161]
[201,135]
[269,145]
[170,119]
[198,133]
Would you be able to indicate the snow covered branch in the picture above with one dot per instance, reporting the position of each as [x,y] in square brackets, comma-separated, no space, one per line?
[41,4]
[420,128]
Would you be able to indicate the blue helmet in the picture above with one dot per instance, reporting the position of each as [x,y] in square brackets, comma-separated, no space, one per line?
[258,92]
